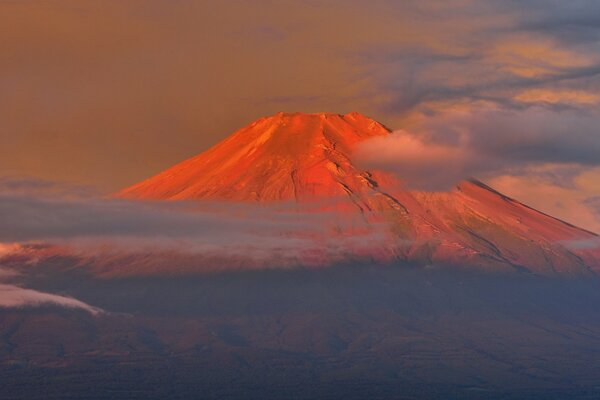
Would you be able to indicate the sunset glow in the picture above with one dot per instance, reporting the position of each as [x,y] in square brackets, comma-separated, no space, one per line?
[319,199]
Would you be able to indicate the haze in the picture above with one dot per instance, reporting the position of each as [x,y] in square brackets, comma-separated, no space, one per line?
[105,93]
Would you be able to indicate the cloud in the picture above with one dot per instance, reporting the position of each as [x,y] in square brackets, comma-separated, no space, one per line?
[567,193]
[12,296]
[15,185]
[527,73]
[421,165]
[170,96]
[7,274]
[31,217]
[488,51]
[115,233]
[533,136]
[589,244]
[551,97]
[484,142]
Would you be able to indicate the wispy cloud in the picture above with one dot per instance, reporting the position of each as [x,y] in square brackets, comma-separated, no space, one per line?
[191,235]
[483,142]
[584,244]
[12,296]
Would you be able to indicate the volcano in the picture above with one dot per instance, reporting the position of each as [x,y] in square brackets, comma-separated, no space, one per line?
[308,158]
[283,157]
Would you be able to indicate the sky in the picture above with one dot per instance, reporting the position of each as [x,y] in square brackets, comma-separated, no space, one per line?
[105,93]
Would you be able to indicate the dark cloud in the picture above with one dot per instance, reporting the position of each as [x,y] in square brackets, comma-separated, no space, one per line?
[488,51]
[449,147]
[593,202]
[573,21]
[531,136]
[417,82]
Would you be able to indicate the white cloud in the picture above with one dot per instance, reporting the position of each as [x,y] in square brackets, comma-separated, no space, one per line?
[12,296]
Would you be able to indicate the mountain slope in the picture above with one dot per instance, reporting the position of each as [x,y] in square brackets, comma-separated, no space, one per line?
[287,156]
[308,158]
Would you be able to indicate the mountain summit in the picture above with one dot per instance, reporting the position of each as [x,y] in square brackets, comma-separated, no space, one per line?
[304,157]
[283,157]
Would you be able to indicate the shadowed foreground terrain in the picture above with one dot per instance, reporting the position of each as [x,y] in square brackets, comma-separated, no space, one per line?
[336,333]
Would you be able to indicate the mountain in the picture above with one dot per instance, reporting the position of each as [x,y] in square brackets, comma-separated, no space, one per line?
[283,157]
[308,158]
[153,316]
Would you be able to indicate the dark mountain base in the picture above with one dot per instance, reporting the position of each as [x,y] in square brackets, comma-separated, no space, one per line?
[176,379]
[346,333]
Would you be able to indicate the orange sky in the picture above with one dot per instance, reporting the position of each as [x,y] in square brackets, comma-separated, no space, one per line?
[107,92]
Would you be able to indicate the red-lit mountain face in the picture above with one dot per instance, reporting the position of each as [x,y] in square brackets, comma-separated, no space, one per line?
[307,158]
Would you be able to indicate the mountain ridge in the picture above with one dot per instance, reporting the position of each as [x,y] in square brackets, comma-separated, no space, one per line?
[307,157]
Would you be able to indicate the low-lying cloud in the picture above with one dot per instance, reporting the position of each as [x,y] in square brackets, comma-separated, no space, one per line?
[33,218]
[12,296]
[117,233]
